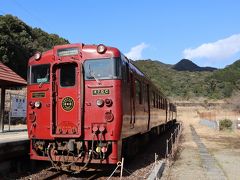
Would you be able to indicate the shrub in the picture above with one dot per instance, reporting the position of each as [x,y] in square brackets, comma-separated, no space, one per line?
[225,124]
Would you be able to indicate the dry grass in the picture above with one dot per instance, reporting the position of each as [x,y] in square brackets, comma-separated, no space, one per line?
[223,146]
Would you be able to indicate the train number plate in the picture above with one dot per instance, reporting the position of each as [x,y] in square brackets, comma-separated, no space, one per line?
[100,92]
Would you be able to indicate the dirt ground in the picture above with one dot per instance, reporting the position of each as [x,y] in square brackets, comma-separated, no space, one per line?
[206,153]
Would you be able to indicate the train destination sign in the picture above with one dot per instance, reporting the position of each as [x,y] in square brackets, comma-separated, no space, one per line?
[67,52]
[100,91]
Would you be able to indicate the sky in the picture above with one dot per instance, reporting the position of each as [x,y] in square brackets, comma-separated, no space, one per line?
[204,31]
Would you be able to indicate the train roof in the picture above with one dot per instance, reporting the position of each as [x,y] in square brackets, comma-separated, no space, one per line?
[142,74]
[87,50]
[111,52]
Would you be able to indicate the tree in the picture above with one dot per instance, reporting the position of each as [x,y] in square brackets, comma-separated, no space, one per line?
[18,42]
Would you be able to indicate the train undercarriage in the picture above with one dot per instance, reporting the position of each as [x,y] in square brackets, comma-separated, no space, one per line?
[74,155]
[64,154]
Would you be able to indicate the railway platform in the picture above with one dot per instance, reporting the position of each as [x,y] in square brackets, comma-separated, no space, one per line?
[14,147]
[13,136]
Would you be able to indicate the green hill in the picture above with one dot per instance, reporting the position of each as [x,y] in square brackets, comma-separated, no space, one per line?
[218,84]
[18,42]
[187,65]
[225,81]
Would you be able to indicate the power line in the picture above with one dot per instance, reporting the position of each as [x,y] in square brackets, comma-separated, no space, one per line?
[32,16]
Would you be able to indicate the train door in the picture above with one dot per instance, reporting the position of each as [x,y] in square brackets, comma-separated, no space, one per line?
[66,94]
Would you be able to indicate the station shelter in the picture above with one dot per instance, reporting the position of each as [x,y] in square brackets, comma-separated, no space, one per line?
[8,79]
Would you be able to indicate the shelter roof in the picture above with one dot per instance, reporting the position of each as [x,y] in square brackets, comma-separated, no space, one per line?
[8,78]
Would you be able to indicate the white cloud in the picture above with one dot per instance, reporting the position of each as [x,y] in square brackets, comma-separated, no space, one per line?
[136,51]
[220,49]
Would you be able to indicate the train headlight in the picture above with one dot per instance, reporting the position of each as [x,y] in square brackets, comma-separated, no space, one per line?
[37,56]
[104,149]
[100,103]
[101,49]
[108,102]
[98,149]
[37,104]
[32,104]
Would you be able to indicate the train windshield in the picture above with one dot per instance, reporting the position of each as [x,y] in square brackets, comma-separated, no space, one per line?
[102,69]
[38,74]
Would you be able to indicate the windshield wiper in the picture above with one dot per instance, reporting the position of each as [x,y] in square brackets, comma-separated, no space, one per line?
[92,74]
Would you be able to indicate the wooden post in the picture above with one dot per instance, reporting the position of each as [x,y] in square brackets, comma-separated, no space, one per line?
[121,168]
[175,138]
[155,164]
[171,145]
[177,135]
[3,91]
[167,148]
[9,113]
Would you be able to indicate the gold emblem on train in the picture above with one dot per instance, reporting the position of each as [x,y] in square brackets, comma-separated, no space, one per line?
[67,103]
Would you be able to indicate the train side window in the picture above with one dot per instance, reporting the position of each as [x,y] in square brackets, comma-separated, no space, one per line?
[127,72]
[161,103]
[164,104]
[154,96]
[150,97]
[153,100]
[138,91]
[146,94]
[143,93]
[158,102]
[125,69]
[124,72]
[67,75]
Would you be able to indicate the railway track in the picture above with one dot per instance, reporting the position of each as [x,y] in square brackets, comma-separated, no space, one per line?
[46,174]
[138,167]
[52,174]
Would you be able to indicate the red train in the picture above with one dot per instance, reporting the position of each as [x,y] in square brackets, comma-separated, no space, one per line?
[89,104]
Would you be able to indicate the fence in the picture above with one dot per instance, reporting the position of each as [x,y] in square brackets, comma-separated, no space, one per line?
[173,141]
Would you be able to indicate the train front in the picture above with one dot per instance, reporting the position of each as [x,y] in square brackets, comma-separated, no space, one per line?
[74,105]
